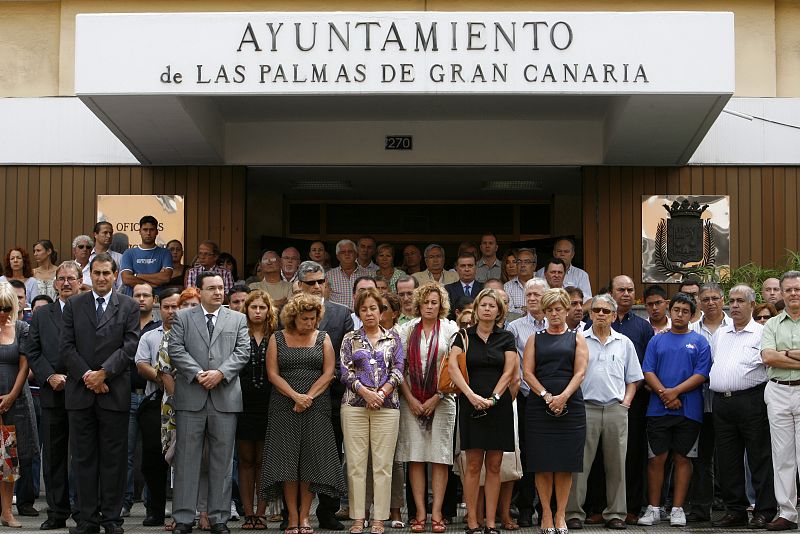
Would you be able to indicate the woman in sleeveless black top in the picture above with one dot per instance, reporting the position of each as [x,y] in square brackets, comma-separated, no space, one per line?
[555,362]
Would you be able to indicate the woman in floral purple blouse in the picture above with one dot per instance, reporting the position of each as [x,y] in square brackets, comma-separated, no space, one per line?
[372,370]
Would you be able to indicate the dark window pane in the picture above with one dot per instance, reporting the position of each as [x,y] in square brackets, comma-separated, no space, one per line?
[534,219]
[441,219]
[304,219]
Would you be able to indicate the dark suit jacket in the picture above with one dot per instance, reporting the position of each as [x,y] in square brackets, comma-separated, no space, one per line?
[336,322]
[44,352]
[89,346]
[456,290]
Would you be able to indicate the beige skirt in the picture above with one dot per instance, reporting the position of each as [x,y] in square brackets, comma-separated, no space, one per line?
[417,444]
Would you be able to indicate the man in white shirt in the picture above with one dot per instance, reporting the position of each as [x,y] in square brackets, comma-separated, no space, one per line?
[737,379]
[564,249]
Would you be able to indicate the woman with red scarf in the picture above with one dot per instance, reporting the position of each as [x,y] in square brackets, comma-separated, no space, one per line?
[427,417]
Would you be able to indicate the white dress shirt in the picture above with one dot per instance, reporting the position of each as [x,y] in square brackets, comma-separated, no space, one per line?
[736,355]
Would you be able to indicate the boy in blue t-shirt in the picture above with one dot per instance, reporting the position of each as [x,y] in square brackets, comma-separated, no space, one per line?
[676,364]
[147,263]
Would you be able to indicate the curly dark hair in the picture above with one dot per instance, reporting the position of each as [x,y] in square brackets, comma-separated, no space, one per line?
[27,271]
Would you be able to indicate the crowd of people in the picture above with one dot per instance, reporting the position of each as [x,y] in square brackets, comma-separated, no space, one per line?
[376,386]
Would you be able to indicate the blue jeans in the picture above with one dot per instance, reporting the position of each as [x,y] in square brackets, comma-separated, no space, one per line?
[133,438]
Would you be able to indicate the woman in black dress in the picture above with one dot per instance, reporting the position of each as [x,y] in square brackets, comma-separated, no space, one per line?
[486,416]
[554,365]
[262,321]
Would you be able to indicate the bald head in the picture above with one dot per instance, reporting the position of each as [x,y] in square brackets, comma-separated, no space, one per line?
[624,292]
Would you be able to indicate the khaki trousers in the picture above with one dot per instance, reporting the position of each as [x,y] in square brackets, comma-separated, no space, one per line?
[611,424]
[783,410]
[369,431]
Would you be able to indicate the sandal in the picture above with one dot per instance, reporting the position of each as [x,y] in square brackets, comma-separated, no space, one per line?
[249,522]
[439,527]
[307,529]
[397,523]
[170,525]
[476,530]
[377,527]
[417,525]
[291,530]
[259,522]
[491,530]
[509,525]
[357,527]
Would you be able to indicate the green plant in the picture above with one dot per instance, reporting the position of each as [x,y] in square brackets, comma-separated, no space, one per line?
[750,273]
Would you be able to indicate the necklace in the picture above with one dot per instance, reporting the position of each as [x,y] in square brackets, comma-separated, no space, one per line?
[258,356]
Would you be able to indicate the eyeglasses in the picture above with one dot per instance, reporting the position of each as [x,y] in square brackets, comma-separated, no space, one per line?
[313,282]
[290,258]
[477,414]
[269,260]
[69,279]
[706,300]
[6,309]
[763,317]
[603,311]
[82,247]
[525,262]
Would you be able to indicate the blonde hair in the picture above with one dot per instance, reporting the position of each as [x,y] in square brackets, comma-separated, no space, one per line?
[422,292]
[8,297]
[555,296]
[298,304]
[493,294]
[271,323]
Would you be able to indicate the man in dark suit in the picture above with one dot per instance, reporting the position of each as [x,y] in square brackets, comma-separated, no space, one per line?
[337,321]
[208,345]
[466,286]
[98,342]
[50,369]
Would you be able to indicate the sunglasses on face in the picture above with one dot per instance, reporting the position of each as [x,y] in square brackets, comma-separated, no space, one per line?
[314,282]
[603,311]
[83,247]
[763,317]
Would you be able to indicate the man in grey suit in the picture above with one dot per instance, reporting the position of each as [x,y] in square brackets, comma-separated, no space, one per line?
[336,322]
[98,342]
[50,369]
[208,346]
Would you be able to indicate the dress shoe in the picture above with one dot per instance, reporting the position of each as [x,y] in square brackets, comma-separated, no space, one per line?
[153,521]
[220,528]
[731,520]
[52,524]
[631,519]
[616,524]
[758,522]
[781,523]
[27,510]
[694,517]
[114,529]
[89,529]
[330,523]
[594,519]
[574,524]
[182,528]
[524,519]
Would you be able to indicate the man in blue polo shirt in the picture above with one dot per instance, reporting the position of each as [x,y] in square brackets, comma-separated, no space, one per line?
[147,263]
[676,365]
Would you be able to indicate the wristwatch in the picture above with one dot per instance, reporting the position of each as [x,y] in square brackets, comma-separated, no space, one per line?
[495,398]
[543,393]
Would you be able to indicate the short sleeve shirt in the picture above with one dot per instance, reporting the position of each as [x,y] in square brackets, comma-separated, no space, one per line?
[144,261]
[782,333]
[482,355]
[674,358]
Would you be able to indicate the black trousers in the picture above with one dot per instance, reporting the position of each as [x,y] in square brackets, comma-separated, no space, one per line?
[701,488]
[636,456]
[526,485]
[100,456]
[154,468]
[55,461]
[741,425]
[328,505]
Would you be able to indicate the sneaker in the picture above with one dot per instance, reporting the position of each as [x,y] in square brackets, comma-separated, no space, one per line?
[651,517]
[662,513]
[234,512]
[677,518]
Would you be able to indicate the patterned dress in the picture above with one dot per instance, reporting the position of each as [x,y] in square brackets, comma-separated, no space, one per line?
[300,446]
